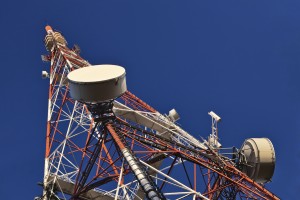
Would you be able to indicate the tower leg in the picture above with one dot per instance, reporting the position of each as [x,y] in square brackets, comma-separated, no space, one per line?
[144,179]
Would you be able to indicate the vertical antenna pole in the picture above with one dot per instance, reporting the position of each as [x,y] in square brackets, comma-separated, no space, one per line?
[213,139]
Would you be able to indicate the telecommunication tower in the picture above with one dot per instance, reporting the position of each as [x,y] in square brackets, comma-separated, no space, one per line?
[103,142]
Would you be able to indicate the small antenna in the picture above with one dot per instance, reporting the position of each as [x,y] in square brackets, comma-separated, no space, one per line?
[213,137]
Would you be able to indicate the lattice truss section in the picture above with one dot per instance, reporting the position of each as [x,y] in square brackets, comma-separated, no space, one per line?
[84,161]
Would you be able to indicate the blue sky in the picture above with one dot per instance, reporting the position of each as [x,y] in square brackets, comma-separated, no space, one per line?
[240,59]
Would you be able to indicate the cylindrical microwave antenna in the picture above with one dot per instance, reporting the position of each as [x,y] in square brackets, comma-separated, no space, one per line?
[98,83]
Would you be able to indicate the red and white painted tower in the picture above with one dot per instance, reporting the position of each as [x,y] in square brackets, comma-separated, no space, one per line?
[125,149]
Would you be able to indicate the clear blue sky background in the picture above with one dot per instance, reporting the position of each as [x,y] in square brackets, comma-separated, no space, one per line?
[238,58]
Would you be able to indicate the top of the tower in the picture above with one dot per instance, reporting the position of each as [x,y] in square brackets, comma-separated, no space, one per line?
[48,29]
[53,38]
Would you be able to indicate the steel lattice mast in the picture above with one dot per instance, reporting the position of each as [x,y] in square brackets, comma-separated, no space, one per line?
[131,152]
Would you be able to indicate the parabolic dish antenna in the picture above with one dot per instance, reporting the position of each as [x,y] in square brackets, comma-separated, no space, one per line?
[98,83]
[258,159]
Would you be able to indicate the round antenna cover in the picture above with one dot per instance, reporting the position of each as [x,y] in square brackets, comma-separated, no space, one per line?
[98,83]
[258,159]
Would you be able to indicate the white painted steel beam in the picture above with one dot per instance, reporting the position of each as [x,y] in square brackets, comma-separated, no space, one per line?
[157,122]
